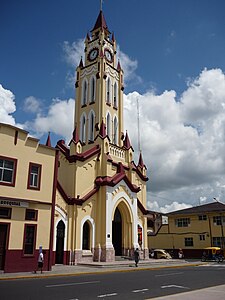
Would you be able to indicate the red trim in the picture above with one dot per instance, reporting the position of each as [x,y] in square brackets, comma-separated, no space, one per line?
[38,187]
[24,238]
[16,137]
[78,200]
[13,183]
[79,156]
[115,179]
[50,258]
[141,207]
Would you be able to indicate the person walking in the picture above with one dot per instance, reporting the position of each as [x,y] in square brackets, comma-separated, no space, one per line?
[40,260]
[136,257]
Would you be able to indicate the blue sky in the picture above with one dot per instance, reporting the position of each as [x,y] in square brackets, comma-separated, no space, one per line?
[172,52]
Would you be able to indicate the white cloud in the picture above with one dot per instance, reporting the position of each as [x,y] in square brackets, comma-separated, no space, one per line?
[59,119]
[183,141]
[168,207]
[32,105]
[7,106]
[73,52]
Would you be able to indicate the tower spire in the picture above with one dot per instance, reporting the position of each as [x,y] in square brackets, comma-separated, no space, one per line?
[101,1]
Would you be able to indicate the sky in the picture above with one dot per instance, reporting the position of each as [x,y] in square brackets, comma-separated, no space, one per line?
[172,53]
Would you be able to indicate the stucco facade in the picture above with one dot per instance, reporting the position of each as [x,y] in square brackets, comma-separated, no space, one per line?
[192,229]
[101,195]
[27,196]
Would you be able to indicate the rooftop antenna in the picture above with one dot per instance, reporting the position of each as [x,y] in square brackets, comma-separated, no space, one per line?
[101,1]
[138,123]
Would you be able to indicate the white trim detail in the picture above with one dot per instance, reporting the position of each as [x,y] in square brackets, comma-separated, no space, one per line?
[111,203]
[87,218]
[63,218]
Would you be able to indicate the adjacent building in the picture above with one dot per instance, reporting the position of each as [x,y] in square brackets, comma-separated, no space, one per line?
[28,173]
[191,229]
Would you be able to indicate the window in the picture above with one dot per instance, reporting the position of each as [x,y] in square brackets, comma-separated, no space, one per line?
[83,128]
[84,92]
[217,241]
[188,242]
[115,96]
[115,131]
[29,239]
[108,125]
[219,220]
[5,212]
[202,217]
[202,237]
[183,222]
[92,90]
[86,236]
[8,171]
[31,214]
[34,177]
[108,91]
[91,126]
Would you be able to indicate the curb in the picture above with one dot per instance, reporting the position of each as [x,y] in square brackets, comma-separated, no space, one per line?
[127,269]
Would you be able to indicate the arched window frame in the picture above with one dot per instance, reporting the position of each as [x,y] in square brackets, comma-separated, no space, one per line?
[115,95]
[86,240]
[91,126]
[108,124]
[84,92]
[92,231]
[115,130]
[83,121]
[92,89]
[108,91]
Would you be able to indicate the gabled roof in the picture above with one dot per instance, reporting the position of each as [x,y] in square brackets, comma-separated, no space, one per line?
[205,208]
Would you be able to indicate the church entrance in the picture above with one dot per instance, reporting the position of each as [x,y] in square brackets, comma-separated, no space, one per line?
[117,233]
[60,242]
[3,238]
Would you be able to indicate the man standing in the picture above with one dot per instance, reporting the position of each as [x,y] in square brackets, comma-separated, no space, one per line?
[40,259]
[136,257]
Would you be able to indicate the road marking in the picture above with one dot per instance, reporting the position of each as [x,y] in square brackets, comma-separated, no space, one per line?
[73,283]
[139,291]
[169,274]
[174,286]
[107,295]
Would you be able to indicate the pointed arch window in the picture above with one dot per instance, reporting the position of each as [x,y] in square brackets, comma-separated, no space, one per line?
[83,128]
[92,89]
[115,96]
[108,125]
[84,92]
[91,120]
[86,236]
[108,91]
[115,130]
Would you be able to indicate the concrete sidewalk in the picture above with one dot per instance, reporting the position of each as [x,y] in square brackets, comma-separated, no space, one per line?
[211,293]
[100,267]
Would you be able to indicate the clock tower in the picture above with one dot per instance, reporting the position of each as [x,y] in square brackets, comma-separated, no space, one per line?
[99,87]
[101,192]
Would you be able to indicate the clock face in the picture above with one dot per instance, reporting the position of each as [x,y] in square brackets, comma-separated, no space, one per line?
[93,54]
[108,55]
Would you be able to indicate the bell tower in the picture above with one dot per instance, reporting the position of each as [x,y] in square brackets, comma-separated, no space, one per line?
[99,87]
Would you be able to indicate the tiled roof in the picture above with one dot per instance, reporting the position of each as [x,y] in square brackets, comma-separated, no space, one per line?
[205,208]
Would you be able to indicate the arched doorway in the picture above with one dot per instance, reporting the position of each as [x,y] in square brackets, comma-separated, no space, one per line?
[86,236]
[60,242]
[117,232]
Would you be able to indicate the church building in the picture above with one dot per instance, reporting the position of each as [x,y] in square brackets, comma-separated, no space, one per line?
[100,210]
[82,202]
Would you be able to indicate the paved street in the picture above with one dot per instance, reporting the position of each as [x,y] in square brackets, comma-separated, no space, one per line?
[122,284]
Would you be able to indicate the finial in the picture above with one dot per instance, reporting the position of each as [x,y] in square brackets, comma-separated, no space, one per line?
[101,1]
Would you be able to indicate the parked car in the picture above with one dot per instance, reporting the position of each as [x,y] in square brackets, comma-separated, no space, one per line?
[161,253]
[212,254]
